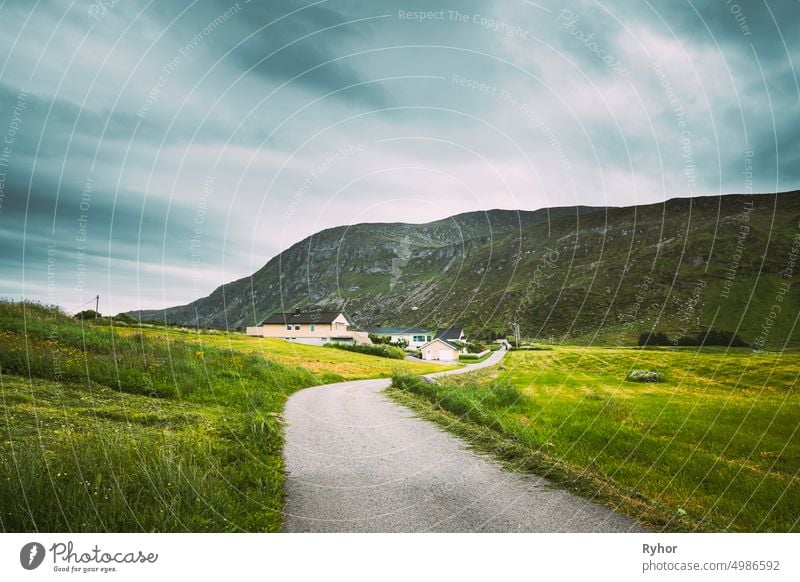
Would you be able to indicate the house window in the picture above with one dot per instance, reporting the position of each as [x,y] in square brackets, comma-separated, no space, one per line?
[419,338]
[311,328]
[288,328]
[297,328]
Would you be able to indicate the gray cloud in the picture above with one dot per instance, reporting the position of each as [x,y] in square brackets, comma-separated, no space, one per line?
[479,106]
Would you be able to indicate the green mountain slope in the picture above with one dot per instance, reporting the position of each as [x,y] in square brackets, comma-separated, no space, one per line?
[577,274]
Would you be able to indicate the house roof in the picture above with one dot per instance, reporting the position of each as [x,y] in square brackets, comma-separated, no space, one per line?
[398,331]
[307,317]
[450,333]
[438,339]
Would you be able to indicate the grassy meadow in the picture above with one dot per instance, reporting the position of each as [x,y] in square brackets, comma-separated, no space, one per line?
[713,446]
[337,364]
[126,429]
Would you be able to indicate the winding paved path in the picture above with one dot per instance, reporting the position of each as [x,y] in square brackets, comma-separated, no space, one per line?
[358,462]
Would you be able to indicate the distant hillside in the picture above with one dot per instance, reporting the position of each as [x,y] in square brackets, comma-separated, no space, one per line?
[576,274]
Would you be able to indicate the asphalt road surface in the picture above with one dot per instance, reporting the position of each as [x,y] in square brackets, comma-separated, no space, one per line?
[358,462]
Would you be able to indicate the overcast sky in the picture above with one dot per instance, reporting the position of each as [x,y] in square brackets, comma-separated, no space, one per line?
[155,150]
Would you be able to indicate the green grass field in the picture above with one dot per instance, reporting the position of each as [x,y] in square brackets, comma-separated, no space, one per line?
[714,446]
[126,430]
[344,365]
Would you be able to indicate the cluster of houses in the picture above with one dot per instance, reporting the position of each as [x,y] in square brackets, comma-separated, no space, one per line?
[322,327]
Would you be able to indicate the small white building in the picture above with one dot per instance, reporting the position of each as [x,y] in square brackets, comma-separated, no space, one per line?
[439,349]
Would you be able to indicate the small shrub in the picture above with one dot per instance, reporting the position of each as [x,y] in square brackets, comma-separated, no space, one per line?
[475,347]
[643,376]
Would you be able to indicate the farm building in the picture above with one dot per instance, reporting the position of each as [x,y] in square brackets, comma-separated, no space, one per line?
[314,328]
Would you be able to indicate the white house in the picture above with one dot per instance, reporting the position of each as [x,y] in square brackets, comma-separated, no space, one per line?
[314,328]
[439,349]
[414,336]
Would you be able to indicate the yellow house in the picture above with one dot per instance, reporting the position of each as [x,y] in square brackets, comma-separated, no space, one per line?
[439,349]
[315,328]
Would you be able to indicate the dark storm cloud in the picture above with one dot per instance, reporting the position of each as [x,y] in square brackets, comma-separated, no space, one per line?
[757,44]
[288,41]
[93,232]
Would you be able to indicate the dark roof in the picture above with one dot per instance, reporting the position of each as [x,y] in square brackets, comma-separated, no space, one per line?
[398,331]
[308,317]
[450,333]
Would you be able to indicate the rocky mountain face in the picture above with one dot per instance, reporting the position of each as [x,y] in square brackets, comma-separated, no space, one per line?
[576,274]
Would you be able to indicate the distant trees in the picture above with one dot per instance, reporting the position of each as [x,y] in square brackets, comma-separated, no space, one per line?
[711,337]
[654,339]
[125,318]
[87,314]
[716,337]
[387,341]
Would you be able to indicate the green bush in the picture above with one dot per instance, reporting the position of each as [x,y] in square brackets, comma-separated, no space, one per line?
[380,350]
[87,314]
[712,337]
[643,376]
[387,341]
[475,347]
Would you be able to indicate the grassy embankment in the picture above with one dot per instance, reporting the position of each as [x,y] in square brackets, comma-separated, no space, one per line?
[122,429]
[714,446]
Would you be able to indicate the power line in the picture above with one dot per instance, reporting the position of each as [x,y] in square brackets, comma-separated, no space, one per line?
[95,300]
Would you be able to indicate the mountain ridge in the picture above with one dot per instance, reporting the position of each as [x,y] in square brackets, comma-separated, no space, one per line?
[571,273]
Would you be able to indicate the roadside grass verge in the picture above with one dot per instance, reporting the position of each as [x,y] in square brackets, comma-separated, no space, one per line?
[472,359]
[143,431]
[714,446]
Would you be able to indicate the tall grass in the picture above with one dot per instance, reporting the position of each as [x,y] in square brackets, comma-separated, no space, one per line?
[101,431]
